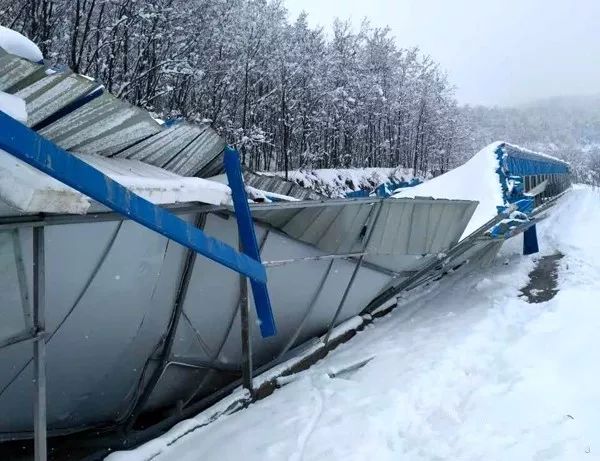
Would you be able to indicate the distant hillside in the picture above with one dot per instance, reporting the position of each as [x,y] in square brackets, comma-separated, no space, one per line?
[567,127]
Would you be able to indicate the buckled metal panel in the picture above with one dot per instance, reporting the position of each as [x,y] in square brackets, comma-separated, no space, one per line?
[52,93]
[183,149]
[280,186]
[206,146]
[416,229]
[213,168]
[103,126]
[161,147]
[98,352]
[404,226]
[106,125]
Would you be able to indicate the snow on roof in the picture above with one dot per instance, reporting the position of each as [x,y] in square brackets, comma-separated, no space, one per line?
[13,106]
[31,191]
[475,180]
[256,194]
[15,43]
[337,182]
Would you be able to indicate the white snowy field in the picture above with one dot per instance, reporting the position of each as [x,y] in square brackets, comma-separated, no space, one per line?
[463,370]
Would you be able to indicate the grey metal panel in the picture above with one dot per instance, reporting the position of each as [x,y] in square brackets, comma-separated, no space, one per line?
[213,168]
[183,149]
[291,288]
[52,93]
[161,147]
[206,146]
[11,308]
[344,234]
[411,230]
[176,384]
[103,126]
[107,125]
[276,218]
[208,304]
[268,183]
[14,70]
[89,369]
[279,185]
[481,254]
[404,226]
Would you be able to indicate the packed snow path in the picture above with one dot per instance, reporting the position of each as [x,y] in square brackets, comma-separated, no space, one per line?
[464,370]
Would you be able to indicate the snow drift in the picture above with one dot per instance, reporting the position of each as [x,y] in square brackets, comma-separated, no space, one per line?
[477,179]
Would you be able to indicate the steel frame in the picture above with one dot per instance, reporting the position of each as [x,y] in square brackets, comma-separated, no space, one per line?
[39,345]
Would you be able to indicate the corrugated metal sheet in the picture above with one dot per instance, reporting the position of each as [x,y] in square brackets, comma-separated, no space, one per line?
[105,125]
[52,93]
[279,185]
[162,147]
[184,149]
[403,226]
[207,145]
[14,71]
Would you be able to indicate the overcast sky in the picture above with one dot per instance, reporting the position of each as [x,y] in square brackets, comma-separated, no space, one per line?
[500,52]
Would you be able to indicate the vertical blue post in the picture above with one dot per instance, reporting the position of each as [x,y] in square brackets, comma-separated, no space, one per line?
[530,241]
[247,235]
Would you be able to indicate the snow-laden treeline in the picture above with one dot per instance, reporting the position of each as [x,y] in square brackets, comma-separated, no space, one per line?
[286,94]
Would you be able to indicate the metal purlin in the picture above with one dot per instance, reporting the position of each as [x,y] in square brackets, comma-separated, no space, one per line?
[31,148]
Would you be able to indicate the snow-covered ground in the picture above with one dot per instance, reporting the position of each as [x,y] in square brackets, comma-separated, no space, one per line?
[463,370]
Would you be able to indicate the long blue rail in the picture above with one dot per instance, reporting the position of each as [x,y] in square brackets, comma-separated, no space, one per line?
[28,146]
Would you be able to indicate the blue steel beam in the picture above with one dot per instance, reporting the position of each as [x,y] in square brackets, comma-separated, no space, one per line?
[247,235]
[28,146]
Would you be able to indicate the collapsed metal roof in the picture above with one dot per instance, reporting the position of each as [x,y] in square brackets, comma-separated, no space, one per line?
[280,186]
[79,115]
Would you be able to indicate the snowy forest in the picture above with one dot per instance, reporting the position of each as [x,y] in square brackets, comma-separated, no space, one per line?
[289,95]
[285,94]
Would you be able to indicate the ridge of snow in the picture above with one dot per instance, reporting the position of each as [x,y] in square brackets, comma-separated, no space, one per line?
[476,179]
[15,43]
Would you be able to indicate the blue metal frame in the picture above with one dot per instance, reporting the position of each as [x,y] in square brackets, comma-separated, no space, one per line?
[248,240]
[30,147]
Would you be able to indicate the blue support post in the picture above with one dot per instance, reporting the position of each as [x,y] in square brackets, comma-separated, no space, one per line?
[30,147]
[530,241]
[247,235]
